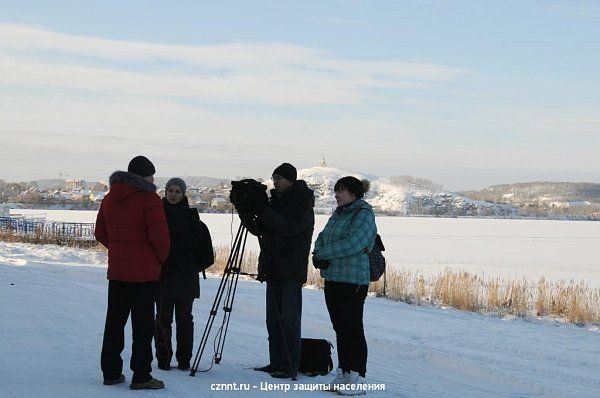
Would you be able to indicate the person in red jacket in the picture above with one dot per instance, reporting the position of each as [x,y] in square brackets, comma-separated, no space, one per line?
[131,224]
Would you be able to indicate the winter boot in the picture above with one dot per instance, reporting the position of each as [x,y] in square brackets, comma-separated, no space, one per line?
[353,384]
[268,368]
[120,380]
[151,384]
[337,380]
[281,374]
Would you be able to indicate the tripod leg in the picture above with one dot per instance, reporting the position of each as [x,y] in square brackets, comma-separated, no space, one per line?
[208,327]
[228,307]
[218,297]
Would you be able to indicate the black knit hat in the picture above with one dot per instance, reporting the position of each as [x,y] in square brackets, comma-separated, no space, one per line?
[287,171]
[357,187]
[141,166]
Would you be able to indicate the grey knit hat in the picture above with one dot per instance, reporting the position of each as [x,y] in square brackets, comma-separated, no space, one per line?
[176,181]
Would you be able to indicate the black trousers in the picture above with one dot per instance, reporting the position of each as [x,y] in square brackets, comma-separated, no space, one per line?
[182,307]
[123,298]
[345,303]
[284,302]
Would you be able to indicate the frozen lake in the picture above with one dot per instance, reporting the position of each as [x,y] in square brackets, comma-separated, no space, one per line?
[505,248]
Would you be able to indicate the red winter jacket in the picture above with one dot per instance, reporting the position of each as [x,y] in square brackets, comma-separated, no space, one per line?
[131,223]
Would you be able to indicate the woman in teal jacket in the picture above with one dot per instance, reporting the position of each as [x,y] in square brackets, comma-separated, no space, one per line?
[341,252]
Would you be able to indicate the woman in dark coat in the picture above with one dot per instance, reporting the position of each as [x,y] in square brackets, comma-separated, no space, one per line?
[191,252]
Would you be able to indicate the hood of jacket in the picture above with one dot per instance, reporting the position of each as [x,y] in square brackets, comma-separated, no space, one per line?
[124,184]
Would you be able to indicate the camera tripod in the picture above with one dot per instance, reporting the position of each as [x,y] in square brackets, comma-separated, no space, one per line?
[228,288]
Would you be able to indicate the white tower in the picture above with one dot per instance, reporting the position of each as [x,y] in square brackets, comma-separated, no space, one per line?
[323,162]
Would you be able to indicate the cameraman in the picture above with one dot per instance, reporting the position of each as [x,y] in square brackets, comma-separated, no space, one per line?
[284,226]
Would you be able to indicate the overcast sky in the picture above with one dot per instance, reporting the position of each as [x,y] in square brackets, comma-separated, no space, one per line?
[467,93]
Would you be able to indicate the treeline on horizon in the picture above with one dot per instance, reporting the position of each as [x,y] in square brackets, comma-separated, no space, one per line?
[562,200]
[568,191]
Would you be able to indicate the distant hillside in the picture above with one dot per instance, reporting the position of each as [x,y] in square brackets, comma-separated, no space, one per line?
[403,195]
[412,196]
[545,199]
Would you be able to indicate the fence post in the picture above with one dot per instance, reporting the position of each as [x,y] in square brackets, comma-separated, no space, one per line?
[384,284]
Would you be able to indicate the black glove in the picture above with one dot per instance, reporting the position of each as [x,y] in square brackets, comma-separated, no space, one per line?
[319,264]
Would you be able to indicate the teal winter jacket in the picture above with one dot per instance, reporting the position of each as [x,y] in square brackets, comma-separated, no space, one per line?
[348,232]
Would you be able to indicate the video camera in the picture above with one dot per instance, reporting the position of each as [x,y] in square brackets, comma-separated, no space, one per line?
[248,195]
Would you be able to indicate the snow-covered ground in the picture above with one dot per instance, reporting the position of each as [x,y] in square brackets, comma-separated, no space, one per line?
[53,303]
[488,247]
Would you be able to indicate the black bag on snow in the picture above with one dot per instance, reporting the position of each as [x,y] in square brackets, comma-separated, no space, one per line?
[315,357]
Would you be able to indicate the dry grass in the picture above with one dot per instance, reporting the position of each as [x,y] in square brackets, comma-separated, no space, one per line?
[249,261]
[49,239]
[573,302]
[494,300]
[459,290]
[314,278]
